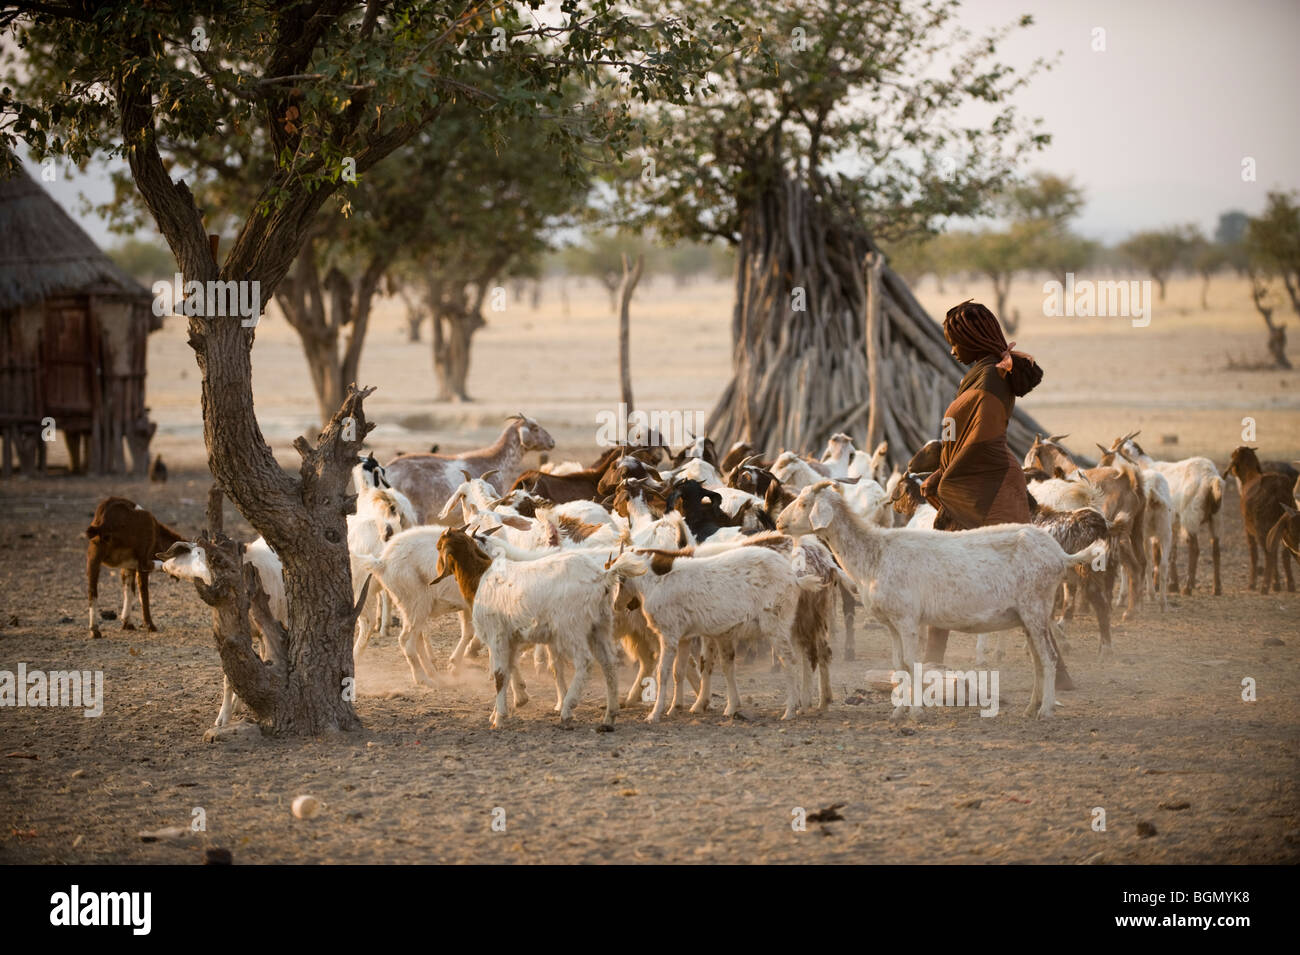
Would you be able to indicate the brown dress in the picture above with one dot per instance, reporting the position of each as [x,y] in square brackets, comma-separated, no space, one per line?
[979,482]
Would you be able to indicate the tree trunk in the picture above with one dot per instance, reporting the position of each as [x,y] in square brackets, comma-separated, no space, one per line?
[456,317]
[631,275]
[799,352]
[1205,293]
[318,310]
[1276,331]
[1001,288]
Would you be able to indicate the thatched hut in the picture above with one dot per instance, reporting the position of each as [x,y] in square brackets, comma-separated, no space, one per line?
[73,334]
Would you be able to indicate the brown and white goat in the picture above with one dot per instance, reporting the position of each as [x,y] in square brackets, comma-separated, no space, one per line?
[123,534]
[1123,492]
[428,480]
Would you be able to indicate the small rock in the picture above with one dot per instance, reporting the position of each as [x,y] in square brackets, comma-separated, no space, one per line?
[217,856]
[970,804]
[1145,830]
[13,620]
[108,614]
[1176,806]
[305,807]
[169,832]
[1274,642]
[66,619]
[829,814]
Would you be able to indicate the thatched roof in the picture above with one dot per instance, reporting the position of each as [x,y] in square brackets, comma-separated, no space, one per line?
[44,252]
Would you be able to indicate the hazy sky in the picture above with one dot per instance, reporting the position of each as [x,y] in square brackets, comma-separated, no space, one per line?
[1155,127]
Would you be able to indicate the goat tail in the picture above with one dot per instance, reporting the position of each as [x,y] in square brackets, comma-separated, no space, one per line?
[94,530]
[1097,549]
[369,565]
[1215,497]
[627,565]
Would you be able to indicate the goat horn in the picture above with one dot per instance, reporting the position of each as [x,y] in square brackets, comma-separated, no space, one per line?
[487,474]
[1103,450]
[1058,437]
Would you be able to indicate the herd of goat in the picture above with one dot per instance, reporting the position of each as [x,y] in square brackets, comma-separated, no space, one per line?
[686,560]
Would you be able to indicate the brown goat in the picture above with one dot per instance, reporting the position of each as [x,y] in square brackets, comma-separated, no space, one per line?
[459,554]
[1286,532]
[122,534]
[1265,497]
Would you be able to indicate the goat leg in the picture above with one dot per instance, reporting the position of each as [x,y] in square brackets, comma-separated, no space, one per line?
[850,607]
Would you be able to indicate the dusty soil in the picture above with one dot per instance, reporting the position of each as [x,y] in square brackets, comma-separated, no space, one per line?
[1161,725]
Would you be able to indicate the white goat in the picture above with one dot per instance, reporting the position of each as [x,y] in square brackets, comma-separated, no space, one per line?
[1196,491]
[990,578]
[189,561]
[838,455]
[745,589]
[561,600]
[406,569]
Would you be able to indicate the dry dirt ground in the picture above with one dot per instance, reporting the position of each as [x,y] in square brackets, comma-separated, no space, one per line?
[1163,725]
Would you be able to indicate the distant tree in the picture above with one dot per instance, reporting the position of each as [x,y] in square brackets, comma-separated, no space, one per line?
[1159,252]
[600,256]
[1206,258]
[997,255]
[143,260]
[1230,236]
[1041,209]
[1272,243]
[1231,228]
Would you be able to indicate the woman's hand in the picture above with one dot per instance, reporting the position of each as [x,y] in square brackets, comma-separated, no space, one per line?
[930,487]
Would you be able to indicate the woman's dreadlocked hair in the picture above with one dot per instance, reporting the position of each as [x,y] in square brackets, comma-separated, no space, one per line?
[976,329]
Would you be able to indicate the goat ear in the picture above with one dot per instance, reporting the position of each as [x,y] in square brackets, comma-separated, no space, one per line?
[821,514]
[518,523]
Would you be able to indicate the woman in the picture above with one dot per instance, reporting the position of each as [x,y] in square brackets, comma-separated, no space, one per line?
[979,482]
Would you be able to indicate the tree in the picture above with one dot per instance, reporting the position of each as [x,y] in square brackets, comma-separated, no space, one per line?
[839,126]
[1207,258]
[998,256]
[1272,242]
[491,212]
[600,256]
[1159,252]
[143,260]
[324,89]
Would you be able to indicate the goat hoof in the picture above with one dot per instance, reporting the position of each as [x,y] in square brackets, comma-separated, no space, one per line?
[738,716]
[151,628]
[95,633]
[605,728]
[127,625]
